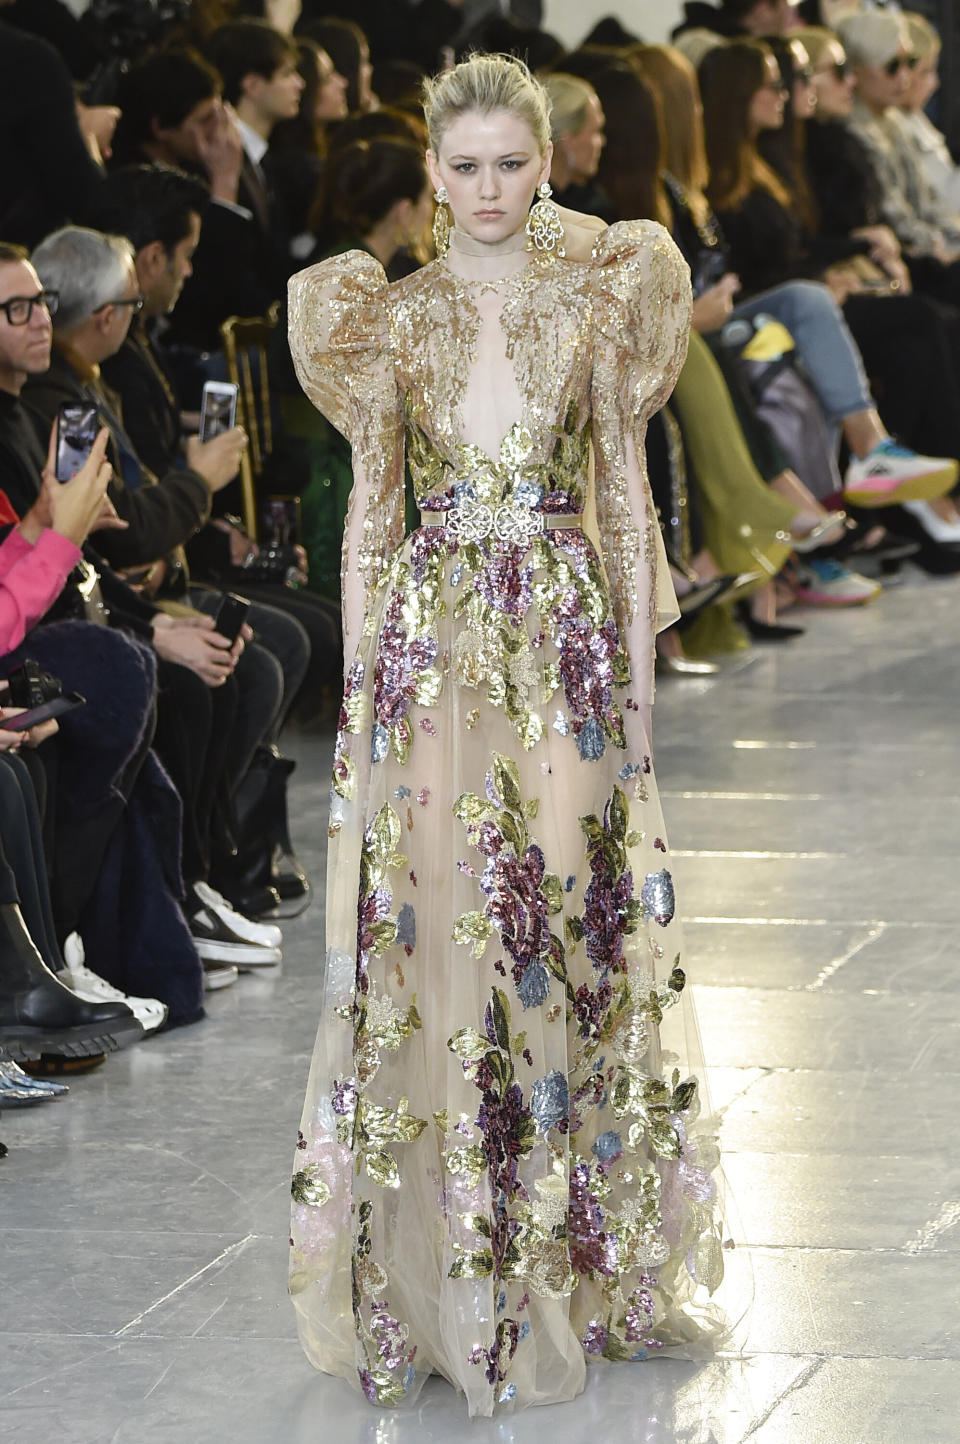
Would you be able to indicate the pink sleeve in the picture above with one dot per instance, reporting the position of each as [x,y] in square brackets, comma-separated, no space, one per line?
[31,579]
[12,549]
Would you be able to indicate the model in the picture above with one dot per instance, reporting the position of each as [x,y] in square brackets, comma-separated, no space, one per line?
[500,1171]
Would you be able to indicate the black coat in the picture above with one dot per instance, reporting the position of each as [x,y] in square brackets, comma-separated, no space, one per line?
[162,514]
[47,175]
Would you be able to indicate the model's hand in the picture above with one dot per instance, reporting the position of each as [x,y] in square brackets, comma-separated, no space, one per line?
[217,460]
[196,645]
[712,308]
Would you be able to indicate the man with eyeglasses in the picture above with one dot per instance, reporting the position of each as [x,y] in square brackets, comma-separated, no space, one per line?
[878,48]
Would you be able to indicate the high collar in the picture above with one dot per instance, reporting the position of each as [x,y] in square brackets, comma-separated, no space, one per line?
[467,246]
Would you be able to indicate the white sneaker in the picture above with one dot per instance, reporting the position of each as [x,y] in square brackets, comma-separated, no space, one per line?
[222,935]
[265,935]
[88,985]
[945,532]
[218,975]
[890,474]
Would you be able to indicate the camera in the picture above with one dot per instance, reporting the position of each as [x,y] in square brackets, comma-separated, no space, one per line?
[30,686]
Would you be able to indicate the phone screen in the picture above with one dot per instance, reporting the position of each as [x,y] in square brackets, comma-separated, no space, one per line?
[218,412]
[77,427]
[56,707]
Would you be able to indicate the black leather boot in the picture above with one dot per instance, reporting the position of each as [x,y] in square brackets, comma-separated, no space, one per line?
[38,1014]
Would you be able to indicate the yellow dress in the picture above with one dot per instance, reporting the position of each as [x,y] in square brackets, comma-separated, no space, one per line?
[500,1172]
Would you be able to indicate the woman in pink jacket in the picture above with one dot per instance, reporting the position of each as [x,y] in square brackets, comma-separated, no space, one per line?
[40,552]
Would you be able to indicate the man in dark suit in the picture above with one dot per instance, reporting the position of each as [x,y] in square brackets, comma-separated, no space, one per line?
[173,112]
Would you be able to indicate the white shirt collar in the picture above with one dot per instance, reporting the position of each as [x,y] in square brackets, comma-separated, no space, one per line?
[253,143]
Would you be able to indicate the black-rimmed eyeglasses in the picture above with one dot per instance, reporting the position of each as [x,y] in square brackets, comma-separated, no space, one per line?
[19,309]
[135,301]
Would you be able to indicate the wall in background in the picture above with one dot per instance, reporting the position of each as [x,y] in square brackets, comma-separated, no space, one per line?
[651,19]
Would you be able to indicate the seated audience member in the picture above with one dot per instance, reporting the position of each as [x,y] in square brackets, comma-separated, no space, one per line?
[39,1013]
[47,173]
[919,132]
[743,95]
[576,128]
[877,44]
[294,161]
[734,18]
[96,280]
[413,30]
[173,112]
[207,723]
[377,199]
[258,67]
[346,44]
[158,210]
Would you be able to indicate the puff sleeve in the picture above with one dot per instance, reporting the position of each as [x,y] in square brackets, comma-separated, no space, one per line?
[340,343]
[642,305]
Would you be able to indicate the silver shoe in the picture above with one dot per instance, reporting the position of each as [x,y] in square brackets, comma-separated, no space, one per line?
[13,1074]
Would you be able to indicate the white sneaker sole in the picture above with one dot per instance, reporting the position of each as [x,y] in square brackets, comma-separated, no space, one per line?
[245,955]
[217,977]
[926,487]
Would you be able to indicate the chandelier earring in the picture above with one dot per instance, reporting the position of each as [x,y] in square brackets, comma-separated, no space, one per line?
[544,226]
[442,220]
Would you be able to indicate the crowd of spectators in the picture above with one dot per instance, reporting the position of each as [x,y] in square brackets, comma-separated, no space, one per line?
[167,166]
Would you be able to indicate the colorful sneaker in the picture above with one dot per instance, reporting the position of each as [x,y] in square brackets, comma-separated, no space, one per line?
[825,583]
[891,473]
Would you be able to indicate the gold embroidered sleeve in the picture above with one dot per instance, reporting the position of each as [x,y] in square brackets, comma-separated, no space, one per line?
[341,348]
[643,304]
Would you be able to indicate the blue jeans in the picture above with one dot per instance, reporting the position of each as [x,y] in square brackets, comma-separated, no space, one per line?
[829,353]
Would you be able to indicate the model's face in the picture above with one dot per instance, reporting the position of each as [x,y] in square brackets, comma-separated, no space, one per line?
[833,83]
[331,92]
[23,349]
[582,151]
[881,86]
[804,95]
[491,167]
[924,82]
[766,107]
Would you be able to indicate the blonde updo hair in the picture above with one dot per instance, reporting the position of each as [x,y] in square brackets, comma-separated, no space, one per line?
[486,83]
[569,98]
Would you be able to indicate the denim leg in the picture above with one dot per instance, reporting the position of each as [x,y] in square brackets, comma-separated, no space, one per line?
[824,344]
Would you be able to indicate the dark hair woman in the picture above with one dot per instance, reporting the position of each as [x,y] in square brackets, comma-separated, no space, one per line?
[904,343]
[376,198]
[346,44]
[294,161]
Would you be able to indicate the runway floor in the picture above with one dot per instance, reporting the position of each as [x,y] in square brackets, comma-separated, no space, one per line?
[813,799]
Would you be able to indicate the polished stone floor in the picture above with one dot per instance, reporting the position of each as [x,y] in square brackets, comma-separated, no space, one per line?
[813,797]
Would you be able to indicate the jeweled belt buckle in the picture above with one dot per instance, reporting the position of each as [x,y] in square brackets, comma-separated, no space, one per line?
[474,521]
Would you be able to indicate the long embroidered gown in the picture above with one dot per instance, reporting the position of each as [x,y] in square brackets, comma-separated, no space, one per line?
[499,1172]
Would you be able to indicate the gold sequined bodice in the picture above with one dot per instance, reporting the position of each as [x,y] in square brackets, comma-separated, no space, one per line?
[538,325]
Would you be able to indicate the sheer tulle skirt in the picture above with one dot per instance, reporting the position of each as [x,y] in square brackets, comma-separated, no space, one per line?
[503,1169]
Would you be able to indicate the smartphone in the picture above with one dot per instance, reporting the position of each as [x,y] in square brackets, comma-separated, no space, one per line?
[77,427]
[56,707]
[231,615]
[280,521]
[218,410]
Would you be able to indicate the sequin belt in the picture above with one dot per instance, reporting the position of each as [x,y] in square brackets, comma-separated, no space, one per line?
[512,521]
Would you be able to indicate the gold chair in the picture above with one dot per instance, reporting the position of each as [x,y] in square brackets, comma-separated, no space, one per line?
[246,340]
